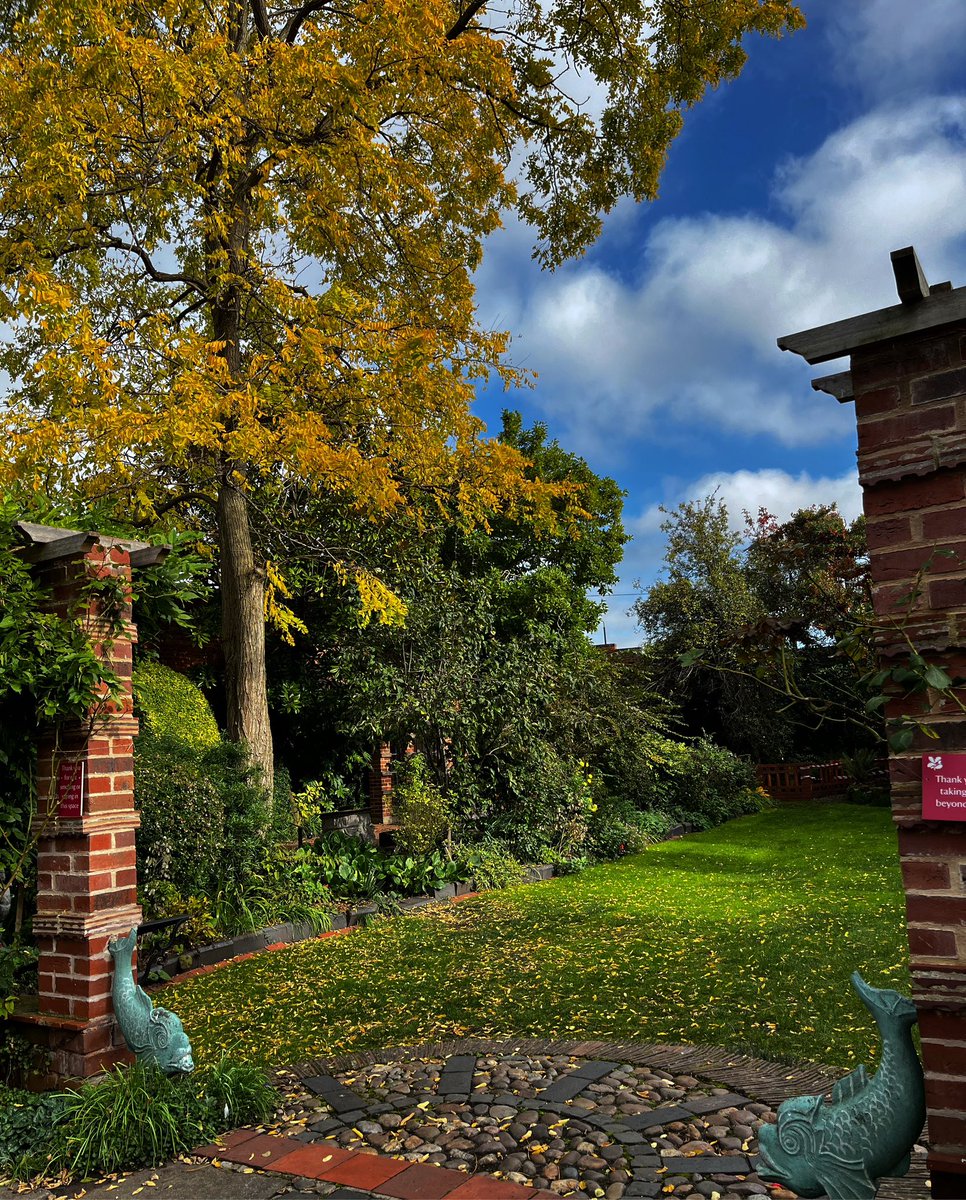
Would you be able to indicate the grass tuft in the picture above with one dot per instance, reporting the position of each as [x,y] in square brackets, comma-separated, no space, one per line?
[135,1117]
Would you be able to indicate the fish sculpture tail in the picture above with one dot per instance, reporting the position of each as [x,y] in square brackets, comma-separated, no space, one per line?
[152,1034]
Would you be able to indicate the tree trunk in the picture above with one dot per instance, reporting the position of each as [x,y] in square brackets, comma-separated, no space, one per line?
[243,631]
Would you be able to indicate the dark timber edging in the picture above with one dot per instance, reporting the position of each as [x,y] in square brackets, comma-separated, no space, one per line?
[177,966]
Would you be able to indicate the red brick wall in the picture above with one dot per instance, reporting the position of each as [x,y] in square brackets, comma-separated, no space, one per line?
[380,785]
[910,398]
[86,866]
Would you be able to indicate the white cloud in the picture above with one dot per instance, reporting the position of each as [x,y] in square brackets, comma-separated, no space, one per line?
[746,491]
[891,46]
[686,331]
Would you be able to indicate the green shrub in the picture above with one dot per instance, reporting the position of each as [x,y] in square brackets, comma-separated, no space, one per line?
[616,828]
[491,863]
[182,834]
[654,823]
[202,817]
[171,706]
[700,783]
[27,1120]
[135,1117]
[286,886]
[284,818]
[546,801]
[420,808]
[358,870]
[201,926]
[318,796]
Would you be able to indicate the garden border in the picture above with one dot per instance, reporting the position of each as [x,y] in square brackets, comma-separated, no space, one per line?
[289,933]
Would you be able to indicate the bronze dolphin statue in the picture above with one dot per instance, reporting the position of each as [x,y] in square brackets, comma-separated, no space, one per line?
[842,1148]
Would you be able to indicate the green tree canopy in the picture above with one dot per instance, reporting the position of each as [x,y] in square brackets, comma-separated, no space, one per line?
[763,637]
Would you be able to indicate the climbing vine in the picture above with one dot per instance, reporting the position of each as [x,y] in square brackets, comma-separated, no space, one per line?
[50,673]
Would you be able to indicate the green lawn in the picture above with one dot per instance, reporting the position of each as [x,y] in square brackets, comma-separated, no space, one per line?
[744,936]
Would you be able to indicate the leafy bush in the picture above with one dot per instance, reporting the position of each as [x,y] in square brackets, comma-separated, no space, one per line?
[284,818]
[420,808]
[701,783]
[616,828]
[545,802]
[868,776]
[358,870]
[27,1120]
[491,863]
[202,816]
[136,1117]
[285,887]
[200,927]
[202,844]
[318,796]
[171,706]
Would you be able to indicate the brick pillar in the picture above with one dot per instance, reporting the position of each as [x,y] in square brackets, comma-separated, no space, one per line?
[86,875]
[380,785]
[908,381]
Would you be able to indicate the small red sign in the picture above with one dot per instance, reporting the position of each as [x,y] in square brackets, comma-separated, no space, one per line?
[70,789]
[944,786]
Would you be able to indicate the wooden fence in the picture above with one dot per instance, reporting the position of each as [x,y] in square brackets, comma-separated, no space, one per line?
[802,781]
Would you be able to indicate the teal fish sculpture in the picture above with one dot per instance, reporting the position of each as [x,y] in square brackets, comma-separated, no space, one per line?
[152,1034]
[844,1147]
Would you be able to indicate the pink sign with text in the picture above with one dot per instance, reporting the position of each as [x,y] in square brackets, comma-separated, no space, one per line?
[70,790]
[944,787]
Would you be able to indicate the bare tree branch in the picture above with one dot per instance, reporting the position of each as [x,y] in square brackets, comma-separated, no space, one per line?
[299,17]
[158,276]
[464,19]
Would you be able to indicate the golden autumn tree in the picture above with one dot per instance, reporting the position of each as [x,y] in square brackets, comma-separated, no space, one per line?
[237,238]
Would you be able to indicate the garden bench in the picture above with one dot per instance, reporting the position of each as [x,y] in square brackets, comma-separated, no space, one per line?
[151,956]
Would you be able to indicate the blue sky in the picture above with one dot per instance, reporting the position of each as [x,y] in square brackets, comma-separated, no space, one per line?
[655,354]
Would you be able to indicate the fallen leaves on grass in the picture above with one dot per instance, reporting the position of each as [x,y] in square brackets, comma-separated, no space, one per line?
[744,936]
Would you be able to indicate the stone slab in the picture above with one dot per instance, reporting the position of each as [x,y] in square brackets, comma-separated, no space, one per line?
[450,1083]
[460,1063]
[707,1164]
[638,1188]
[709,1104]
[338,1097]
[658,1116]
[595,1070]
[564,1088]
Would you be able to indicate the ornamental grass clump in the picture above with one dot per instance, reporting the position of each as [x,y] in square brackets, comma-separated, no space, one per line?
[136,1117]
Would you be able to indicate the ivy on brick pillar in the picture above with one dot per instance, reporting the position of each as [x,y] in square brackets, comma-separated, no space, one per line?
[86,819]
[908,383]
